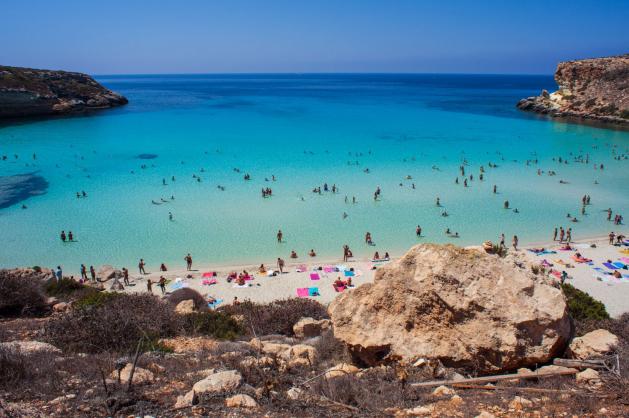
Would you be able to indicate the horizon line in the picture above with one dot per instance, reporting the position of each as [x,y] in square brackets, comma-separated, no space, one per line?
[316,73]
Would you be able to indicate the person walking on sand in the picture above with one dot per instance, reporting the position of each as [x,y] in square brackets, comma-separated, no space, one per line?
[93,274]
[611,238]
[555,234]
[561,234]
[149,286]
[280,265]
[502,241]
[83,272]
[141,265]
[162,284]
[59,274]
[125,276]
[515,242]
[279,236]
[188,259]
[569,235]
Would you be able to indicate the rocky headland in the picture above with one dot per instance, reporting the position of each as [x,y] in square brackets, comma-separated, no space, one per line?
[590,89]
[27,92]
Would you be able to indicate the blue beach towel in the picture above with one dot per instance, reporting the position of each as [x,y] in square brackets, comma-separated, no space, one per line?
[215,304]
[349,273]
[619,265]
[313,291]
[610,266]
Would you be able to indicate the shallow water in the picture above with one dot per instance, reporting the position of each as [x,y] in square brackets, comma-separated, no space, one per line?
[305,130]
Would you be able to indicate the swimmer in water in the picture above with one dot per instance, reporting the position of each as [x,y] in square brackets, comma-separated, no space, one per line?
[170,216]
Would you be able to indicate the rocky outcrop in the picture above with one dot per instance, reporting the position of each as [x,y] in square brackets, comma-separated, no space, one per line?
[30,92]
[462,307]
[595,88]
[309,327]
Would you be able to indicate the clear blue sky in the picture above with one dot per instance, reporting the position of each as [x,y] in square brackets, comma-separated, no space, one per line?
[190,36]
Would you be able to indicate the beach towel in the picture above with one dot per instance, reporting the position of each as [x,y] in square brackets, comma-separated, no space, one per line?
[301,268]
[341,267]
[580,260]
[349,273]
[610,266]
[208,274]
[556,274]
[619,264]
[207,282]
[329,269]
[248,278]
[582,246]
[313,291]
[178,285]
[314,276]
[215,304]
[379,260]
[625,259]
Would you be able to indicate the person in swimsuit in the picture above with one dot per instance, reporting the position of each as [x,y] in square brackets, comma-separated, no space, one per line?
[162,284]
[141,265]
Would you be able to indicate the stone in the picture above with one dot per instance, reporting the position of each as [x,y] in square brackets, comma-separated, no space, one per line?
[274,348]
[219,382]
[251,361]
[461,306]
[593,344]
[294,393]
[140,375]
[443,391]
[456,400]
[341,369]
[185,307]
[300,355]
[31,347]
[589,377]
[60,307]
[419,411]
[156,368]
[241,401]
[552,368]
[485,414]
[186,400]
[309,327]
[107,272]
[518,403]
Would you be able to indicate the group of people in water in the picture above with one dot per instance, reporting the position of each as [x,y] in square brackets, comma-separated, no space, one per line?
[69,237]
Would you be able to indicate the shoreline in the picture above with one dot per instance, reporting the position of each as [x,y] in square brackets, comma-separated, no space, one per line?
[266,289]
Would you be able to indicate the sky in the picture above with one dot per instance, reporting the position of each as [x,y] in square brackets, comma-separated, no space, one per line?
[226,36]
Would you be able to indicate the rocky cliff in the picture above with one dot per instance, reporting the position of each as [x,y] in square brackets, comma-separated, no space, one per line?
[29,92]
[588,89]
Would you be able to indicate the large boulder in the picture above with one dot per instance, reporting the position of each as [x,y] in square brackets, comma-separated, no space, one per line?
[461,306]
[30,347]
[219,382]
[107,272]
[140,376]
[593,344]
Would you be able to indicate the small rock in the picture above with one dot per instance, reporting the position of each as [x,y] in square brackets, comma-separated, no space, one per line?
[294,393]
[456,400]
[419,411]
[341,369]
[443,391]
[420,362]
[60,307]
[188,399]
[219,382]
[251,361]
[589,377]
[156,368]
[241,401]
[140,376]
[485,414]
[31,347]
[518,403]
[593,344]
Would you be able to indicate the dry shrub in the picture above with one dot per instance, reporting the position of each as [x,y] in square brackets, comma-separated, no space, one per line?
[35,371]
[20,295]
[277,317]
[214,324]
[116,325]
[331,350]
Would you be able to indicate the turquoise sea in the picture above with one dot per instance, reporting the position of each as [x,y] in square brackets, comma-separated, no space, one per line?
[305,130]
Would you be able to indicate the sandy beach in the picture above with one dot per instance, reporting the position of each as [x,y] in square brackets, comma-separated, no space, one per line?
[614,293]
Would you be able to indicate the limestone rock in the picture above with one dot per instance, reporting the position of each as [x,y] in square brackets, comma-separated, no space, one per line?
[419,411]
[300,355]
[341,369]
[31,347]
[140,376]
[485,414]
[294,393]
[552,368]
[241,401]
[518,403]
[218,382]
[309,327]
[251,361]
[589,377]
[188,399]
[460,306]
[456,400]
[185,307]
[593,344]
[443,391]
[61,307]
[107,272]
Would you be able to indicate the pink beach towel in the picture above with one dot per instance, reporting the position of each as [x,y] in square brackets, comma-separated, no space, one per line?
[209,282]
[314,276]
[208,274]
[329,269]
[303,292]
[301,268]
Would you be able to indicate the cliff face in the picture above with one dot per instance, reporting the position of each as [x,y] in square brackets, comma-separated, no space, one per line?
[592,88]
[30,92]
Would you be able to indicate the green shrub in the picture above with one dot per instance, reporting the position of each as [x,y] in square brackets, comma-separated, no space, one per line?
[277,317]
[63,287]
[214,324]
[93,298]
[582,306]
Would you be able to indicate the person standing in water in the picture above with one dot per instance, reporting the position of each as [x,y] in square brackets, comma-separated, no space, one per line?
[141,265]
[279,236]
[418,231]
[93,274]
[63,236]
[70,236]
[555,234]
[83,272]
[188,259]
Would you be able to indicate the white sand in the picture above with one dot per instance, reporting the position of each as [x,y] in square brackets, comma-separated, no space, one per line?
[614,293]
